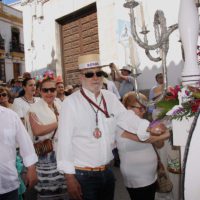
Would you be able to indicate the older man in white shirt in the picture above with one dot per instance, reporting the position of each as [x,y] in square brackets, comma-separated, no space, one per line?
[13,133]
[86,133]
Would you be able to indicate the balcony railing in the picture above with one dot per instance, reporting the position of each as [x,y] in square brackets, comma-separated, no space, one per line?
[16,47]
[2,44]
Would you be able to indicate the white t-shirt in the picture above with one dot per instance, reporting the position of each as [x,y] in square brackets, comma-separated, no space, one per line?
[111,87]
[138,160]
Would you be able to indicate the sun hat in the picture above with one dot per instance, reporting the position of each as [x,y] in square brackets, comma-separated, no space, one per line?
[127,68]
[89,61]
[20,78]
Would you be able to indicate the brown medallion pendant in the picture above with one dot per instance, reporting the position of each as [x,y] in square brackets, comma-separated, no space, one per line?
[97,133]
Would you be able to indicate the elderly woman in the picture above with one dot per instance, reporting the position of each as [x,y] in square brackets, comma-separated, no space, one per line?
[137,155]
[4,97]
[43,123]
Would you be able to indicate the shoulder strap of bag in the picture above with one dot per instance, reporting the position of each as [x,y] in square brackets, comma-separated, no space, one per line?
[56,113]
[53,134]
[158,157]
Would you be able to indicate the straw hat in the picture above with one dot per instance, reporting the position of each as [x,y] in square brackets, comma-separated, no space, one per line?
[89,61]
[20,78]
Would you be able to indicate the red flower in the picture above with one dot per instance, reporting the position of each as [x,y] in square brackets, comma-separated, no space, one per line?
[195,105]
[173,92]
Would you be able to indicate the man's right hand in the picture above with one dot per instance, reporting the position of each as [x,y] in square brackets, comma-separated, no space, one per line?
[112,66]
[31,176]
[73,187]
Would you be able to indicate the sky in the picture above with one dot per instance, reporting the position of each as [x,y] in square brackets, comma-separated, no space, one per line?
[9,1]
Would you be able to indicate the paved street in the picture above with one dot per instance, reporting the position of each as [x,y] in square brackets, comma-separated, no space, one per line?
[120,191]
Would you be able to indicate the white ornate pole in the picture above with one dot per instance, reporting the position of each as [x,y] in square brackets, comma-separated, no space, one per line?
[189,27]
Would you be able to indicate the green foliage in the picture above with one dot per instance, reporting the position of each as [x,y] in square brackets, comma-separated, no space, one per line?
[167,105]
[196,95]
[185,113]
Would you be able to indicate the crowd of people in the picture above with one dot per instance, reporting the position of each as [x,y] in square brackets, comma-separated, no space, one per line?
[85,125]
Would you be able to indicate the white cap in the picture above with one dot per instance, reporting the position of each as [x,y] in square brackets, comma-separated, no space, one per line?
[127,68]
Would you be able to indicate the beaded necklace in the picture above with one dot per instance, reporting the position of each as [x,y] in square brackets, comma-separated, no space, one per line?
[28,101]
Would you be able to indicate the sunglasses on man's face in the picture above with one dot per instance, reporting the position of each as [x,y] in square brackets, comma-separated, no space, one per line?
[91,74]
[46,90]
[3,95]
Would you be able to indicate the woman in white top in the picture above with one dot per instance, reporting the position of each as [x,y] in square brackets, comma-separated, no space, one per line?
[138,158]
[43,118]
[21,105]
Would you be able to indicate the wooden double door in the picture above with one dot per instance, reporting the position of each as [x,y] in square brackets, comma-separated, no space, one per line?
[79,36]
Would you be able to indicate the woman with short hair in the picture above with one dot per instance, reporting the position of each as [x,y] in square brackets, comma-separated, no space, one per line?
[5,97]
[137,155]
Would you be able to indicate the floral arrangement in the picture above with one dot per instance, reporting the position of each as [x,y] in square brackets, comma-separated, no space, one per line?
[48,75]
[38,79]
[180,102]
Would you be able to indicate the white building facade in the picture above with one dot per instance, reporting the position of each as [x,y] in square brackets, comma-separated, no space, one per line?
[11,43]
[56,32]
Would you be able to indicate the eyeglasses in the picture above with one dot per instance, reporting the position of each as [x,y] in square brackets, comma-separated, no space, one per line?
[3,95]
[140,108]
[91,74]
[46,90]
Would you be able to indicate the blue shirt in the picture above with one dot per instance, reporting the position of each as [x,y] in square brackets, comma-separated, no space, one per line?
[126,86]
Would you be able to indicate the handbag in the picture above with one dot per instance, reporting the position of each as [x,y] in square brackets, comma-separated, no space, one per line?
[44,147]
[163,183]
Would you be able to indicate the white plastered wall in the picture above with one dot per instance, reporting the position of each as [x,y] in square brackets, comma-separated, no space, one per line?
[45,34]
